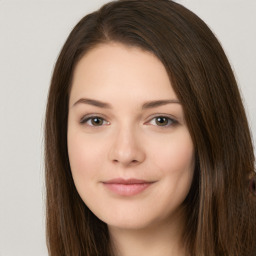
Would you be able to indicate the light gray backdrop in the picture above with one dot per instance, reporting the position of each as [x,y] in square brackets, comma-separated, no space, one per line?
[31,35]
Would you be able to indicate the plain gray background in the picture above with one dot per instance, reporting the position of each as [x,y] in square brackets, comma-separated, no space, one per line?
[31,35]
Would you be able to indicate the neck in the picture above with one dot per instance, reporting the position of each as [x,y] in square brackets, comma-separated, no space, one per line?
[160,239]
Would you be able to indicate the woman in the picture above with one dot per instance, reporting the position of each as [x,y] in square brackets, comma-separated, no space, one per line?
[147,146]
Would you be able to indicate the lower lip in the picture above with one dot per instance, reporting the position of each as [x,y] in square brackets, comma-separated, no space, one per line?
[127,189]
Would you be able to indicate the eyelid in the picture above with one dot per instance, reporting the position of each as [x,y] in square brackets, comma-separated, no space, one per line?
[173,120]
[88,117]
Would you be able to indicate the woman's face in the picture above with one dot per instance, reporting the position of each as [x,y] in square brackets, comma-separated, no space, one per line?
[130,151]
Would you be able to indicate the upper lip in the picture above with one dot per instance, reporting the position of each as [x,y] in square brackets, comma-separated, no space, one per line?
[126,181]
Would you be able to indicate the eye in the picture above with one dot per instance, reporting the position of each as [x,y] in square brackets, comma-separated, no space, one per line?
[162,121]
[94,121]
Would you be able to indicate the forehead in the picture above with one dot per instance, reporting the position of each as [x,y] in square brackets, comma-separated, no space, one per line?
[116,70]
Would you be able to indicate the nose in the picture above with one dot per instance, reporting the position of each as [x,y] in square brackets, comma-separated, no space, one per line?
[126,148]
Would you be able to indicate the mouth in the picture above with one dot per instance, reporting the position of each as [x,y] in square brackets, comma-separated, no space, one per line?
[127,187]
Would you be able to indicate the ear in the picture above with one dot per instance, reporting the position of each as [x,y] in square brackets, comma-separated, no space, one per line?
[252,185]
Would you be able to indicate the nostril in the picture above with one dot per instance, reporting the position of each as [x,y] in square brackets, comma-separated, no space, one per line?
[131,162]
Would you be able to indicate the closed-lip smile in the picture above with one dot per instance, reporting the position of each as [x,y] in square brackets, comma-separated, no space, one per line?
[127,187]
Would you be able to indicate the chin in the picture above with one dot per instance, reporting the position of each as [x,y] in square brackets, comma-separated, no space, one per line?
[132,224]
[131,221]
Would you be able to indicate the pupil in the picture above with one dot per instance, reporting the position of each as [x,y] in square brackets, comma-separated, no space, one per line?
[162,121]
[97,121]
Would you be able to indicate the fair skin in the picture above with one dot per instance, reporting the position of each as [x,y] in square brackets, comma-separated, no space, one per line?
[130,151]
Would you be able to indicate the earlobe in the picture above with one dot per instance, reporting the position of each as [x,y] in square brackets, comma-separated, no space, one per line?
[252,185]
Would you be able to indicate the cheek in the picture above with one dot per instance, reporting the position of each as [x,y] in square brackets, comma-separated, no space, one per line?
[83,156]
[175,155]
[175,160]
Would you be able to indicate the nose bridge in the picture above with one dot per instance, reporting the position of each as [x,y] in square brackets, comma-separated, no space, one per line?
[126,148]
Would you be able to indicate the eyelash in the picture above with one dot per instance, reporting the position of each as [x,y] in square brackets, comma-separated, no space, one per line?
[171,121]
[85,120]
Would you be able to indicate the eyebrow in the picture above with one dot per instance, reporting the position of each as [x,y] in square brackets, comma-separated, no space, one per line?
[146,105]
[158,103]
[92,102]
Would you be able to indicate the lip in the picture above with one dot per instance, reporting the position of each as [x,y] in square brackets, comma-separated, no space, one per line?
[127,187]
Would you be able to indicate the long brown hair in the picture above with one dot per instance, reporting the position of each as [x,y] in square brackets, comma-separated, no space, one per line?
[221,217]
